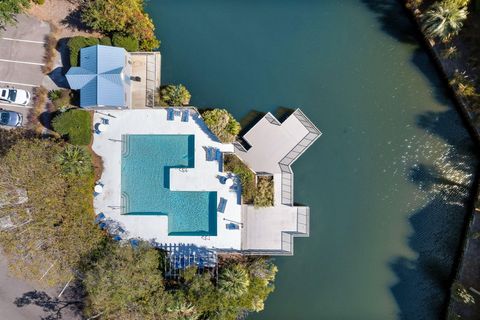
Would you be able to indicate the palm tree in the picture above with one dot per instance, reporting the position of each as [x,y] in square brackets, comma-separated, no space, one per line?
[175,95]
[183,310]
[444,19]
[233,281]
[75,160]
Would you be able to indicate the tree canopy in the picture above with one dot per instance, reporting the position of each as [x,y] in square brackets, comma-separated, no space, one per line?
[9,8]
[125,17]
[125,283]
[175,95]
[48,216]
[222,124]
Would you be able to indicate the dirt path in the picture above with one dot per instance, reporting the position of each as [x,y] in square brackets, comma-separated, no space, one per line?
[64,15]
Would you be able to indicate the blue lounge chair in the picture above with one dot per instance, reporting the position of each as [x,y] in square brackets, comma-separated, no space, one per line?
[213,153]
[134,243]
[170,114]
[210,153]
[218,155]
[99,217]
[222,205]
[232,226]
[185,115]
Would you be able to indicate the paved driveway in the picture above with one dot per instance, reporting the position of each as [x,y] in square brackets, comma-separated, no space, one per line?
[21,54]
[19,300]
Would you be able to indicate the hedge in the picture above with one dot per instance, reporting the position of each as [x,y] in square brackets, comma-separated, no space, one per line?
[77,43]
[129,43]
[74,126]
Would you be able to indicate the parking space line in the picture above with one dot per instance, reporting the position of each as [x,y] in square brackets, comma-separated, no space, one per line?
[24,62]
[14,105]
[22,40]
[19,84]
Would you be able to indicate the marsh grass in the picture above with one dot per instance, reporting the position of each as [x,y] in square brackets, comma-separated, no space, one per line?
[51,41]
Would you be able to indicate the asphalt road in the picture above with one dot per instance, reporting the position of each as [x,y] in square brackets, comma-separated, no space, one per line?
[21,54]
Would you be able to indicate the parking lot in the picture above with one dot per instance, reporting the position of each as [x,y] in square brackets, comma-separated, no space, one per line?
[21,55]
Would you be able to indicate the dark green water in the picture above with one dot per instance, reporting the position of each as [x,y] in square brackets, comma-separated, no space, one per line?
[388,180]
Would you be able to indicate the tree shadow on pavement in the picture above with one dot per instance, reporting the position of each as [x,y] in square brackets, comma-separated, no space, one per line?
[54,308]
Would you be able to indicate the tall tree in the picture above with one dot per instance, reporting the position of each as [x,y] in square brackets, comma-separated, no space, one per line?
[124,283]
[175,95]
[123,16]
[9,8]
[48,225]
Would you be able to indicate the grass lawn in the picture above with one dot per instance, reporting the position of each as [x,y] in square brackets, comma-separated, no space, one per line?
[75,126]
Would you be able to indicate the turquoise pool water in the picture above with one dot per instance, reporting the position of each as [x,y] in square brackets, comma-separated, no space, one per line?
[146,163]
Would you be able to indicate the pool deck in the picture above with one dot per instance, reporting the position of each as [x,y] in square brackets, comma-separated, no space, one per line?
[205,176]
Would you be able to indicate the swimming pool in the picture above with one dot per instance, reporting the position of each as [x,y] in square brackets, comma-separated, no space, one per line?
[145,180]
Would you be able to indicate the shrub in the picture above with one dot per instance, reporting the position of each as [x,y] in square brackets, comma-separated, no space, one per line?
[74,126]
[60,98]
[264,192]
[129,43]
[463,85]
[222,124]
[105,41]
[444,19]
[247,178]
[450,53]
[461,294]
[75,161]
[50,50]
[40,2]
[77,43]
[39,104]
[175,95]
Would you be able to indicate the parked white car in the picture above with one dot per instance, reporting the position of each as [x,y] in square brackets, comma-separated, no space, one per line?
[15,96]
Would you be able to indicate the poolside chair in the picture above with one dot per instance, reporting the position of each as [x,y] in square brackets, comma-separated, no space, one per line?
[134,243]
[185,115]
[222,205]
[210,151]
[170,114]
[232,226]
[218,155]
[99,217]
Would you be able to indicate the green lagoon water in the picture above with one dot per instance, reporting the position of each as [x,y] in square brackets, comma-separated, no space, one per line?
[388,180]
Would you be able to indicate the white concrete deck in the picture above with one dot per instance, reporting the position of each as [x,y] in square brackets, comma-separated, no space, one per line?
[203,177]
[271,142]
[274,145]
[264,227]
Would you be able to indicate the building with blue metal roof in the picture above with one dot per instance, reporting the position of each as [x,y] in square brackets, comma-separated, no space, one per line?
[103,77]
